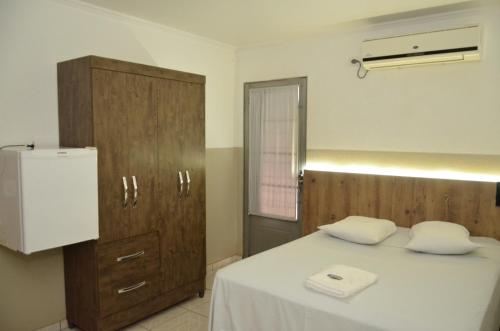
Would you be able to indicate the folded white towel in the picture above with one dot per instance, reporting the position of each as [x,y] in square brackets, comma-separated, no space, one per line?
[341,281]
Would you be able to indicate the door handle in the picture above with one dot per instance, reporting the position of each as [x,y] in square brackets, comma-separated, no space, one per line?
[125,192]
[136,193]
[300,180]
[181,184]
[188,181]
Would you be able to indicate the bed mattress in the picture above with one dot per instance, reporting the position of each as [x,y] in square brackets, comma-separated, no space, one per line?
[414,292]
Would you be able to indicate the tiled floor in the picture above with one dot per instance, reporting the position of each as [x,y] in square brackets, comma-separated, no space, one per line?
[190,315]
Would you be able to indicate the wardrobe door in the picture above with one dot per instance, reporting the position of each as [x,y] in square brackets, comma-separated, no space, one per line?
[143,160]
[194,265]
[110,137]
[170,190]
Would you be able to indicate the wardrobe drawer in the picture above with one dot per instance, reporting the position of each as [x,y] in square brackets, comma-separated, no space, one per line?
[129,257]
[119,295]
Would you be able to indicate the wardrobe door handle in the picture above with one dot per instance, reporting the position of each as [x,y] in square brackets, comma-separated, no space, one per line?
[130,257]
[131,288]
[136,193]
[125,192]
[181,184]
[188,181]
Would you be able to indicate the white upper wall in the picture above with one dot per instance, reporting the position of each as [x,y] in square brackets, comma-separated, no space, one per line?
[258,22]
[442,109]
[35,35]
[453,108]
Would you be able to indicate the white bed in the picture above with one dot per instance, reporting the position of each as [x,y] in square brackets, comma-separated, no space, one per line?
[414,291]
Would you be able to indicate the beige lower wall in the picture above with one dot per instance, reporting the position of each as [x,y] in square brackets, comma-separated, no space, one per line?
[238,174]
[32,287]
[223,203]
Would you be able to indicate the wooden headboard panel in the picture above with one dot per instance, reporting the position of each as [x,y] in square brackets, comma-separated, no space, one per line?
[329,197]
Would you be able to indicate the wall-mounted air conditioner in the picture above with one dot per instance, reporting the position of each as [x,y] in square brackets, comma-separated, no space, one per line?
[445,46]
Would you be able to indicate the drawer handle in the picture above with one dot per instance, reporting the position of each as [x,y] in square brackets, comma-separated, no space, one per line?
[131,288]
[129,257]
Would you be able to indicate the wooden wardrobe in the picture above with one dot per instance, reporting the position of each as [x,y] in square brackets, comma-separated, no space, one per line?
[148,125]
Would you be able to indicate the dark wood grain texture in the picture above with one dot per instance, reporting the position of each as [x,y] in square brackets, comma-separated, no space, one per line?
[98,62]
[75,103]
[80,278]
[123,318]
[125,263]
[181,140]
[329,197]
[170,149]
[142,145]
[110,105]
[76,130]
[141,287]
[149,123]
[193,226]
[109,254]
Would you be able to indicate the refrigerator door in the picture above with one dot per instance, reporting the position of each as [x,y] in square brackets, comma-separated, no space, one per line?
[59,198]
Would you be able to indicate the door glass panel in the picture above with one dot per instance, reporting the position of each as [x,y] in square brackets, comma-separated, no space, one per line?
[273,140]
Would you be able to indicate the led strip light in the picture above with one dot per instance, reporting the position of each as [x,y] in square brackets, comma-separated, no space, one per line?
[401,172]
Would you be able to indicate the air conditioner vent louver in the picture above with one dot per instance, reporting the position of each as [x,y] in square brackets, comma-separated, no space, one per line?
[456,45]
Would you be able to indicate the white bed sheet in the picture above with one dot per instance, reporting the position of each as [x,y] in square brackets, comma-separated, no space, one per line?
[415,291]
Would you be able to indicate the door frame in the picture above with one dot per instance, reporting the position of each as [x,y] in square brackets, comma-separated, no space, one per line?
[302,82]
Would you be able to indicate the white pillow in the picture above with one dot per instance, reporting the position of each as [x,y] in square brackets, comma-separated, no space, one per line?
[360,229]
[438,237]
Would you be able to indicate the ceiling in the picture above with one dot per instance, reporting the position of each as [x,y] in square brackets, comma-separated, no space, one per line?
[245,23]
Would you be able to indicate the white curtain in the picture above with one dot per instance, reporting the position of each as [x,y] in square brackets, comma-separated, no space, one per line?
[273,151]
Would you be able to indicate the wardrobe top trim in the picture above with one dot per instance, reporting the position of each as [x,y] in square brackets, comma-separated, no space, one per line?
[97,62]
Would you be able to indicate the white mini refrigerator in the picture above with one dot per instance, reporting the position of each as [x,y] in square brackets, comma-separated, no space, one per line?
[48,198]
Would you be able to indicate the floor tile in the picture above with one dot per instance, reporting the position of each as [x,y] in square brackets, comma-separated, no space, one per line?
[199,305]
[63,324]
[162,317]
[185,322]
[67,328]
[135,327]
